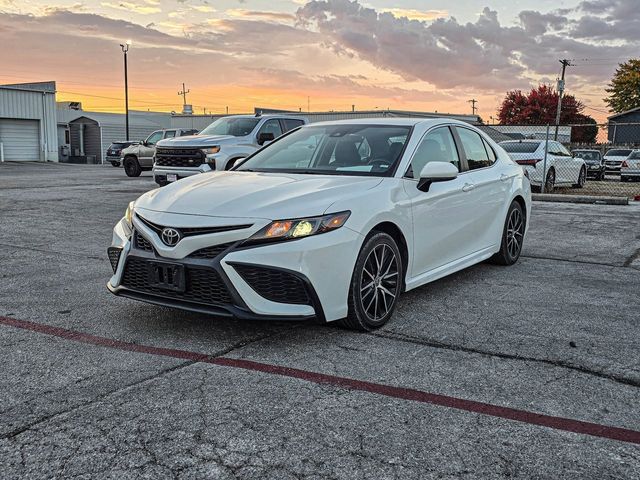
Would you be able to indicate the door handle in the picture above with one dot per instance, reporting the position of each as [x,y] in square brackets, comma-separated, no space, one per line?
[504,178]
[468,187]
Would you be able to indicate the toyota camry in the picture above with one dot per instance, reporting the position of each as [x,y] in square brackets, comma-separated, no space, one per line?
[331,221]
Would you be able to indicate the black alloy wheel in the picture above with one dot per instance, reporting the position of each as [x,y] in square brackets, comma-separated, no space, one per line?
[512,236]
[376,284]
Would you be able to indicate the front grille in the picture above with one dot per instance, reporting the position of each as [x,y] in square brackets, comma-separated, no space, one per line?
[210,252]
[142,243]
[190,231]
[179,157]
[275,285]
[114,257]
[202,285]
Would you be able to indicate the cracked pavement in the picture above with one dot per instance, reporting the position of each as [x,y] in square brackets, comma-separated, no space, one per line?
[557,334]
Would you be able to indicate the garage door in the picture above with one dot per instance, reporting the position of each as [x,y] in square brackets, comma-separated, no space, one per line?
[21,139]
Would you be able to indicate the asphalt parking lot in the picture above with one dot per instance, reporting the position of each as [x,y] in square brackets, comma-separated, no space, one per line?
[531,371]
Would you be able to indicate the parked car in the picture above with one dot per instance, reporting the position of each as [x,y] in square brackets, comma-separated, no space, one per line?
[332,221]
[563,169]
[219,146]
[594,162]
[630,168]
[139,156]
[114,152]
[613,159]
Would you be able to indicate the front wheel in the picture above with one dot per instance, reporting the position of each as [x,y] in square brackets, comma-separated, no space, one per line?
[132,167]
[375,285]
[512,236]
[582,178]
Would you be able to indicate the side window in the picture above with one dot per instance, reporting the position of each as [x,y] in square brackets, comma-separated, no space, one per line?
[169,134]
[563,150]
[155,137]
[490,152]
[474,149]
[271,126]
[436,146]
[291,123]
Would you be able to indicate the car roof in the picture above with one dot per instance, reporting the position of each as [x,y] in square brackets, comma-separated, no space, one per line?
[269,115]
[524,140]
[392,121]
[585,150]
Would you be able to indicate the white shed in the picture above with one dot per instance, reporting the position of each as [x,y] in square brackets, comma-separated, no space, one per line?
[28,122]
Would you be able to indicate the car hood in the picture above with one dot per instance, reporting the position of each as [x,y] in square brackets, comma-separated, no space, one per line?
[197,141]
[270,196]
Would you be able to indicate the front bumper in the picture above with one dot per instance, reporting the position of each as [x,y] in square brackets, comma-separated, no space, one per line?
[322,263]
[160,172]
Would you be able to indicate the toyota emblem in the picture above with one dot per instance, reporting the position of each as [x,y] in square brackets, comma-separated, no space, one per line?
[171,236]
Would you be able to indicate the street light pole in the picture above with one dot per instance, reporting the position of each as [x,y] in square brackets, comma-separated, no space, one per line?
[125,49]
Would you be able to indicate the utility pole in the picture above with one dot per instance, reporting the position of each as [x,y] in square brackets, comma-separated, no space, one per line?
[473,102]
[308,104]
[183,94]
[565,63]
[125,48]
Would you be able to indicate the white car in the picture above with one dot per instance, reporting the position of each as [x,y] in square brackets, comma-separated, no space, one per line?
[630,168]
[331,221]
[613,159]
[562,168]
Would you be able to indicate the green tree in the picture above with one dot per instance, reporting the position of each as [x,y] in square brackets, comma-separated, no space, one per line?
[624,89]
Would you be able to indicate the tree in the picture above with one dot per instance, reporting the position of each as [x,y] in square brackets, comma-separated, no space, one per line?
[538,107]
[587,132]
[624,89]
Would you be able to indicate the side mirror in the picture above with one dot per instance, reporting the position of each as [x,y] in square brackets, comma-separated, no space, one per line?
[265,137]
[436,172]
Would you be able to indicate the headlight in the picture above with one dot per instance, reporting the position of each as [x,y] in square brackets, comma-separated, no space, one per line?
[128,215]
[282,230]
[211,150]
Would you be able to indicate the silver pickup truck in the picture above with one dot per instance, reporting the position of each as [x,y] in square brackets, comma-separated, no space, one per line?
[139,156]
[218,146]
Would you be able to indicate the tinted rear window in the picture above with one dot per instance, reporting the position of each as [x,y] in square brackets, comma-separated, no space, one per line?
[520,147]
[119,145]
[618,153]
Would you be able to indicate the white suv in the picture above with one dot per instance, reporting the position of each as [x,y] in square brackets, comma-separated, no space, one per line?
[563,169]
[218,146]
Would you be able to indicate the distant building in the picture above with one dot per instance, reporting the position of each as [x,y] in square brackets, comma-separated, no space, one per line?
[28,122]
[624,128]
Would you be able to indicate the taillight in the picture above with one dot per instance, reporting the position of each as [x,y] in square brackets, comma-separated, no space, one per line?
[532,161]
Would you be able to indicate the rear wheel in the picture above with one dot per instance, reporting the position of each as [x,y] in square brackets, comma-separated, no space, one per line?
[132,167]
[376,284]
[550,182]
[512,236]
[582,178]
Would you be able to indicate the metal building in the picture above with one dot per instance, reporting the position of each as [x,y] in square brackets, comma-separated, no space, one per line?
[88,134]
[28,122]
[624,128]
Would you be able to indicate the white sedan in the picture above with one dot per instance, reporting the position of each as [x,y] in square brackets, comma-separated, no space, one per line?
[562,168]
[332,221]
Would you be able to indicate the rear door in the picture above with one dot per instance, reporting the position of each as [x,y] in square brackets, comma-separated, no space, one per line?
[145,157]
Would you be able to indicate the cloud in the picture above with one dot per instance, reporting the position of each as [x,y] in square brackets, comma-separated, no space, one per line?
[132,7]
[413,14]
[484,54]
[244,13]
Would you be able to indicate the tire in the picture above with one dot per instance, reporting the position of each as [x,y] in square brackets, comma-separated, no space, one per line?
[582,178]
[512,236]
[550,182]
[230,163]
[376,284]
[131,167]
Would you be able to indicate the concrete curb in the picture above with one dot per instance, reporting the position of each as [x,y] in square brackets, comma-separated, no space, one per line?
[551,197]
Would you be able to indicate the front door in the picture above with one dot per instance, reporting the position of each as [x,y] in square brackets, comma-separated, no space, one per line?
[440,216]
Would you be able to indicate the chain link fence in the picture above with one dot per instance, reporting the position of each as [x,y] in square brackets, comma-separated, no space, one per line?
[588,159]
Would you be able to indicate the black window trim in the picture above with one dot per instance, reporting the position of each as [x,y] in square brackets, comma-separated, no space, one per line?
[482,137]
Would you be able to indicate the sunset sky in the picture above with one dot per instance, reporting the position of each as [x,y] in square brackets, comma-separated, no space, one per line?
[430,55]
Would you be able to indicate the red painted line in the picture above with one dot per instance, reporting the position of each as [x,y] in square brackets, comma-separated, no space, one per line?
[557,423]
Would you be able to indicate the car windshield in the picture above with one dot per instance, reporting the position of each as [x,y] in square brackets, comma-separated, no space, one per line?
[237,127]
[371,150]
[635,155]
[520,147]
[618,153]
[587,155]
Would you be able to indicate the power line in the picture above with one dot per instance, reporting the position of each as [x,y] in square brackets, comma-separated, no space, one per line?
[473,103]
